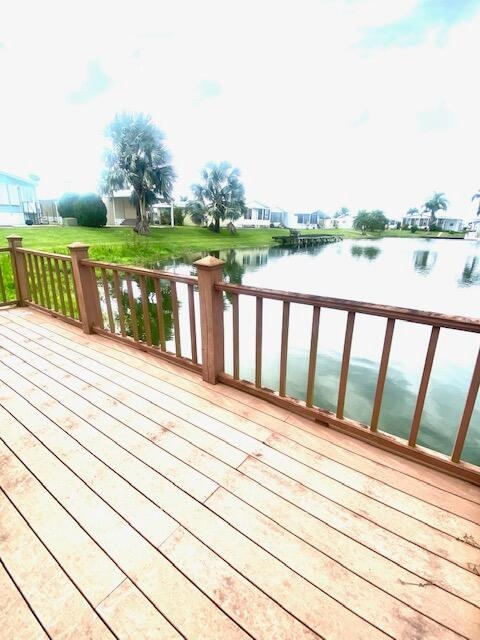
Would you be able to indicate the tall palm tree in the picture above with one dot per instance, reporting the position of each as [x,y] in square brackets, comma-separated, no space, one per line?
[474,197]
[220,195]
[437,202]
[412,211]
[138,160]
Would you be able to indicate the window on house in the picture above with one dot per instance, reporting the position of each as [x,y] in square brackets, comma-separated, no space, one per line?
[248,214]
[4,194]
[303,218]
[13,194]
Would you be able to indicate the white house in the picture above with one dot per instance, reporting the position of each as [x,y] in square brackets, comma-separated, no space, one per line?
[256,215]
[310,220]
[422,221]
[18,200]
[344,222]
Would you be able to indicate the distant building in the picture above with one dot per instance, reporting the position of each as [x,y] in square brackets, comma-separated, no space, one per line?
[344,222]
[18,200]
[422,221]
[256,215]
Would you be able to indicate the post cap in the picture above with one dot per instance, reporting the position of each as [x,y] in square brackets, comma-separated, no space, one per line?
[76,246]
[14,237]
[209,262]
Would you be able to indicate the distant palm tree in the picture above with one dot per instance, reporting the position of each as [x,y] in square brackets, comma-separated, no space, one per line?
[474,197]
[437,202]
[140,161]
[412,211]
[343,211]
[220,195]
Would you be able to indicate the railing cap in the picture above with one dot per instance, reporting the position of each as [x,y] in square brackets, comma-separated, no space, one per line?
[76,246]
[14,237]
[209,262]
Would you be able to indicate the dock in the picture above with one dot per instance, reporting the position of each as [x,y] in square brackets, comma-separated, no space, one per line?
[296,239]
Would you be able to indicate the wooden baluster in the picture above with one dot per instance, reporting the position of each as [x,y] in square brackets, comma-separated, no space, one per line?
[422,392]
[382,373]
[467,412]
[258,343]
[131,304]
[68,290]
[43,271]
[160,318]
[118,296]
[3,293]
[176,323]
[145,311]
[108,302]
[347,347]
[312,365]
[31,277]
[284,349]
[236,337]
[193,329]
[39,281]
[52,285]
[60,287]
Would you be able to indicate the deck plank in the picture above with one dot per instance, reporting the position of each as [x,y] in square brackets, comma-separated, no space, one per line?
[244,510]
[246,405]
[17,619]
[42,582]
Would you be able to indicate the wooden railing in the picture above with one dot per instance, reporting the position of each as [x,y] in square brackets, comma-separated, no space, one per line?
[141,307]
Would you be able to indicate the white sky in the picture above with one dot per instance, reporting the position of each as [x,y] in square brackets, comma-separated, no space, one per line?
[321,104]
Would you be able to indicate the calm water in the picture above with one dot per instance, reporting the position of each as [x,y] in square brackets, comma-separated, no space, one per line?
[433,275]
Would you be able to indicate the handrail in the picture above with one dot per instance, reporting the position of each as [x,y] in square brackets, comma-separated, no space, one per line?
[141,271]
[397,313]
[43,254]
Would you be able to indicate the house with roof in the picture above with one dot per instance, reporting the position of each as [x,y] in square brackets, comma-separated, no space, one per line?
[256,215]
[18,200]
[422,221]
[473,227]
[311,220]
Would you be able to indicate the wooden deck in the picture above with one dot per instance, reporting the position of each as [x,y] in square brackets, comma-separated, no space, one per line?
[137,501]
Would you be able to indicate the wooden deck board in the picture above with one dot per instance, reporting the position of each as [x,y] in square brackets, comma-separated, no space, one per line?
[261,523]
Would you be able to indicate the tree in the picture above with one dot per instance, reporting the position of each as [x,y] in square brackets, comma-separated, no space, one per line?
[474,197]
[66,205]
[138,160]
[412,211]
[370,221]
[220,195]
[437,201]
[343,211]
[91,211]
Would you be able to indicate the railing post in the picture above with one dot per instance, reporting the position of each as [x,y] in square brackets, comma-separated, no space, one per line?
[19,269]
[211,316]
[86,288]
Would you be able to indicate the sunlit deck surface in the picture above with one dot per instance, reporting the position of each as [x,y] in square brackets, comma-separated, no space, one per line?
[139,502]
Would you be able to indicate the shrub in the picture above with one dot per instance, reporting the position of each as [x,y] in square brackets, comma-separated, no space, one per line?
[91,211]
[434,227]
[66,205]
[178,216]
[413,228]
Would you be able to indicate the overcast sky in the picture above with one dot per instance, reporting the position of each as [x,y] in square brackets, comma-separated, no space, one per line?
[321,104]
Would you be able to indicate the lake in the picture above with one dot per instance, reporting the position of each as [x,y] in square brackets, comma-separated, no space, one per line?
[431,275]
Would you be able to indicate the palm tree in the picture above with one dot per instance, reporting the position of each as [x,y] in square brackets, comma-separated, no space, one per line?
[139,160]
[412,211]
[474,197]
[220,195]
[437,201]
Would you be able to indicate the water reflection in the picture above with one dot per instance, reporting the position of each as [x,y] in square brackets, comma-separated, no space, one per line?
[424,261]
[471,272]
[369,252]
